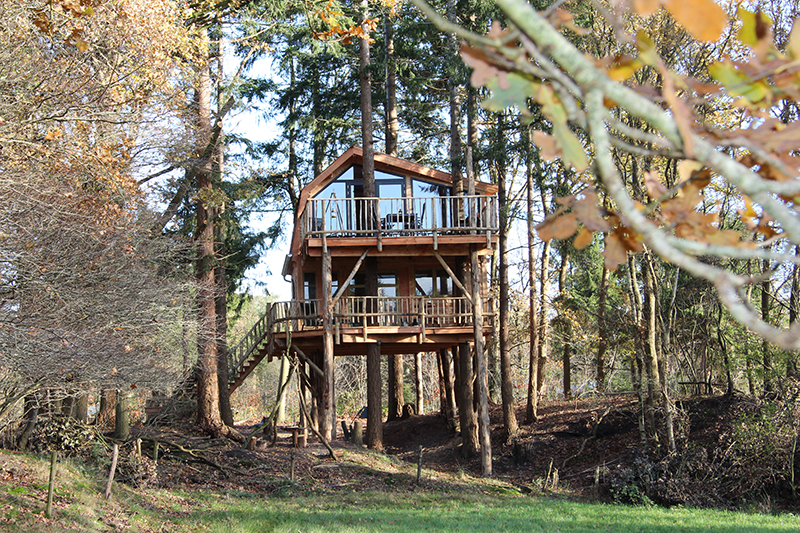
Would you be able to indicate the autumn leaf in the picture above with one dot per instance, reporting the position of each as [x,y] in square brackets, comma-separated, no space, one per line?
[646,7]
[590,213]
[583,238]
[655,189]
[510,90]
[561,227]
[704,19]
[624,67]
[53,134]
[793,46]
[614,253]
[725,237]
[755,30]
[571,148]
[548,148]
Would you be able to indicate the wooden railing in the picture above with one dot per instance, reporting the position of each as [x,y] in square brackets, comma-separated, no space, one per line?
[423,312]
[388,217]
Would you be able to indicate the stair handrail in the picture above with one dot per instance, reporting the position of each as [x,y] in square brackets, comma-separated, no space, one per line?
[240,353]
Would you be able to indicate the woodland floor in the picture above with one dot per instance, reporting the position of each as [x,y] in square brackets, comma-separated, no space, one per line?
[561,439]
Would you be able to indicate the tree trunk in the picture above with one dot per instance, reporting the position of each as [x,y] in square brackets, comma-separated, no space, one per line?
[395,383]
[418,387]
[221,311]
[544,320]
[31,416]
[655,357]
[468,419]
[81,411]
[507,385]
[392,125]
[68,405]
[122,420]
[565,321]
[208,414]
[602,333]
[326,407]
[794,306]
[450,396]
[396,386]
[374,396]
[531,404]
[766,307]
[484,429]
[108,402]
[280,415]
[374,414]
[455,105]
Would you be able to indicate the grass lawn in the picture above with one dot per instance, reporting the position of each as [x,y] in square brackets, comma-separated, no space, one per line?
[79,507]
[412,512]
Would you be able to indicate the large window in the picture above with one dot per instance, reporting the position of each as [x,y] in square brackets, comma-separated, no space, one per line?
[433,283]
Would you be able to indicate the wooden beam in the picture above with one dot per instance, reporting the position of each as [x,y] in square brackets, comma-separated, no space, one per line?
[344,286]
[305,358]
[452,275]
[327,416]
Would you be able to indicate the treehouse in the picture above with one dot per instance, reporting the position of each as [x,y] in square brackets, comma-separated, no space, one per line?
[404,271]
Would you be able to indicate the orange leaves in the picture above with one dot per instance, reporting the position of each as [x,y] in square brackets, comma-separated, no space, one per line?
[74,10]
[704,19]
[591,218]
[338,30]
[558,227]
[515,89]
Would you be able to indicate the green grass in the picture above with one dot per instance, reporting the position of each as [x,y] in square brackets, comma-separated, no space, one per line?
[80,507]
[412,512]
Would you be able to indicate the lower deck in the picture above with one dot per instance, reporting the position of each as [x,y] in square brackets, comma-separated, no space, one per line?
[401,325]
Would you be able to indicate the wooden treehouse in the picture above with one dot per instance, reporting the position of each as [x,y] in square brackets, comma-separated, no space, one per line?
[428,247]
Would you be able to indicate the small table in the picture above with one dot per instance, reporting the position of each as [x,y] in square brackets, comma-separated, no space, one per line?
[404,220]
[295,430]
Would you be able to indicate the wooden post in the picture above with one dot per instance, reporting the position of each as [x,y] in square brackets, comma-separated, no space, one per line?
[419,464]
[327,422]
[374,381]
[292,462]
[51,484]
[418,382]
[484,432]
[358,432]
[114,458]
[301,391]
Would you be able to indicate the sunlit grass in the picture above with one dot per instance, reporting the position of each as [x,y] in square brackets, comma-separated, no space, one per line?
[80,507]
[414,512]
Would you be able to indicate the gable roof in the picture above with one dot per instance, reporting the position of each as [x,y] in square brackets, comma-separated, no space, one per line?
[386,163]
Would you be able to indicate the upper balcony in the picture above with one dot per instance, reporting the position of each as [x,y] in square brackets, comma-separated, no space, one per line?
[383,218]
[414,206]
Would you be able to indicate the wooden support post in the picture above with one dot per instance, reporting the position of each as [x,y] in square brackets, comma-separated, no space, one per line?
[435,228]
[301,391]
[419,464]
[327,422]
[374,381]
[418,382]
[114,458]
[452,275]
[345,286]
[484,432]
[52,483]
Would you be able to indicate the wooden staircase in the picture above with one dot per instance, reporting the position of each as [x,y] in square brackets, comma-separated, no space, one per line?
[251,350]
